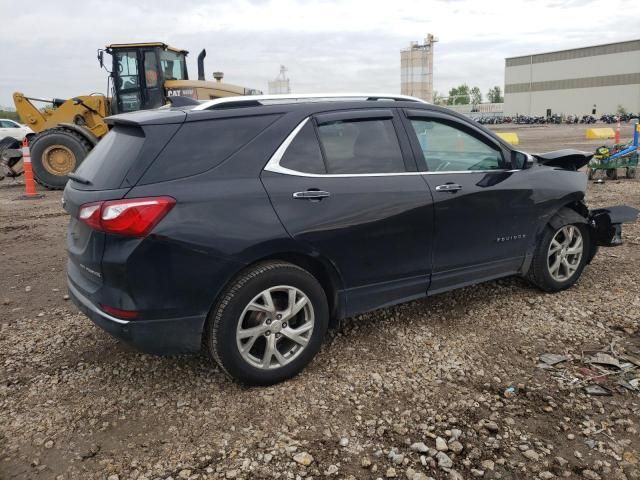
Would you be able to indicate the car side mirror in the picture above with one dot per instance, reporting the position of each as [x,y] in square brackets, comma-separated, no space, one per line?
[521,160]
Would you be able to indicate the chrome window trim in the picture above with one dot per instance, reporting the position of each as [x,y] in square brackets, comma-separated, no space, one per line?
[273,165]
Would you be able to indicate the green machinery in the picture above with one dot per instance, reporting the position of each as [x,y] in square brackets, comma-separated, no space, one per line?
[621,156]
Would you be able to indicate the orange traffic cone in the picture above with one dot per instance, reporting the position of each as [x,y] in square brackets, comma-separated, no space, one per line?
[617,140]
[29,183]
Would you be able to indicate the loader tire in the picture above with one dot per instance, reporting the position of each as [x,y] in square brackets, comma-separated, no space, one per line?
[6,164]
[55,153]
[8,142]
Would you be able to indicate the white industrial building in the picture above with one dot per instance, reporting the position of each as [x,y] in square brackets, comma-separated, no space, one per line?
[578,81]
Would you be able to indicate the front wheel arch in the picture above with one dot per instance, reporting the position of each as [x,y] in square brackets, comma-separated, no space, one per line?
[574,212]
[538,272]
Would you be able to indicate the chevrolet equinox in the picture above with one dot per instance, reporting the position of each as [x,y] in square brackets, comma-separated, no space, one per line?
[247,225]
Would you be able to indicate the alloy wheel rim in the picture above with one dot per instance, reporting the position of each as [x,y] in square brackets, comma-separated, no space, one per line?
[565,253]
[275,327]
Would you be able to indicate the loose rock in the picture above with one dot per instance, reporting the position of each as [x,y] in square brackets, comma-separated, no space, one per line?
[441,444]
[303,458]
[443,460]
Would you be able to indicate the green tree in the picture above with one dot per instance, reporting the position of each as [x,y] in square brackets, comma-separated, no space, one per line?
[494,95]
[10,115]
[438,98]
[476,96]
[459,95]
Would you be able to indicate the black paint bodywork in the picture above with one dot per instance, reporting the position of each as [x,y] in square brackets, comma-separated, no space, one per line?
[567,159]
[376,241]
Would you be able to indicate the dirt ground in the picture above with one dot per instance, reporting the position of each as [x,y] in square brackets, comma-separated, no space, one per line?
[446,387]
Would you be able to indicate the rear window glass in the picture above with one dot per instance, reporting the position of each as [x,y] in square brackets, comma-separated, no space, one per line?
[304,154]
[200,146]
[110,160]
[369,146]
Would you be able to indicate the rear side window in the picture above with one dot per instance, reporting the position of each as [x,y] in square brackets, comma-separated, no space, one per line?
[304,154]
[110,160]
[200,146]
[363,146]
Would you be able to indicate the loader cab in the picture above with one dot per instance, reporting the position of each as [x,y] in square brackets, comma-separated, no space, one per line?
[139,71]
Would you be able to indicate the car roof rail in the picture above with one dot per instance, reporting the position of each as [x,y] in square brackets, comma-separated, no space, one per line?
[257,100]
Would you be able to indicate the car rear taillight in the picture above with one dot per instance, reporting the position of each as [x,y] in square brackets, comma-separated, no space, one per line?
[133,217]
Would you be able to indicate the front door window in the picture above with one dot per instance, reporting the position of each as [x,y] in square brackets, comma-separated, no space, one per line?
[449,149]
[128,86]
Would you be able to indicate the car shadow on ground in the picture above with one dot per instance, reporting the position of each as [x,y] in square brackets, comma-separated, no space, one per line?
[447,312]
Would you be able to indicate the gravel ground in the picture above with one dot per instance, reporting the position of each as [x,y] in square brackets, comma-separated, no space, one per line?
[445,387]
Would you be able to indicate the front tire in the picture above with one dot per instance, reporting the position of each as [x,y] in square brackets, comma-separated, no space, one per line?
[560,257]
[268,324]
[55,153]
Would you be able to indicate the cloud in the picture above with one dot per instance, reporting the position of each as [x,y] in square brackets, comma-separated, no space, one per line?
[326,45]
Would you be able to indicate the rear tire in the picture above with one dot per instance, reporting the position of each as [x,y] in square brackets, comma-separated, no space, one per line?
[612,173]
[268,324]
[55,153]
[557,267]
[8,143]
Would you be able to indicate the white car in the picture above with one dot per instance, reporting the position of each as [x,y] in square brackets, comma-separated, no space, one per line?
[11,128]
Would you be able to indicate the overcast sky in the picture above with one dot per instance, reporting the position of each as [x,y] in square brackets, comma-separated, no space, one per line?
[49,49]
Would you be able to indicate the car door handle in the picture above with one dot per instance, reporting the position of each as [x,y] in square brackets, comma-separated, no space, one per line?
[311,195]
[449,187]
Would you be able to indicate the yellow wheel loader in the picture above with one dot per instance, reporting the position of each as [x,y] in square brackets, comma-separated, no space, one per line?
[142,76]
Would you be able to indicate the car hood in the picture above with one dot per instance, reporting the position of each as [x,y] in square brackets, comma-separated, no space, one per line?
[567,159]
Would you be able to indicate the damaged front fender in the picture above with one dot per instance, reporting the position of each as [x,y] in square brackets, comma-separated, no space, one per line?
[567,159]
[606,224]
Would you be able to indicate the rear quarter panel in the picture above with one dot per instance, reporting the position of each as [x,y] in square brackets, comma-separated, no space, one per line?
[222,221]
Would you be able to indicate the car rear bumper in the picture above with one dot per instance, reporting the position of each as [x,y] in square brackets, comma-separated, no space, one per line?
[159,337]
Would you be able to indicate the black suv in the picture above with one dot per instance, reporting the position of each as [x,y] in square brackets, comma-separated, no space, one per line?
[250,224]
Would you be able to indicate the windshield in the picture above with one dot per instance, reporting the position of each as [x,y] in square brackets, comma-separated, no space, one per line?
[173,65]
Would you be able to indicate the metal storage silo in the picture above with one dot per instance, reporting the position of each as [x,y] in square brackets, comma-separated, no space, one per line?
[281,83]
[416,69]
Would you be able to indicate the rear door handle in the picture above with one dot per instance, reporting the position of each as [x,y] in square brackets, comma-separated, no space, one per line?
[311,195]
[449,187]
